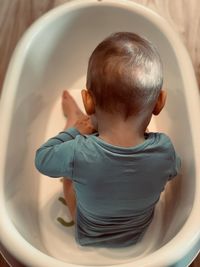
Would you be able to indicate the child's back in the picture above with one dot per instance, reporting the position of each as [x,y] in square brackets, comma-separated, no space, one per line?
[118,172]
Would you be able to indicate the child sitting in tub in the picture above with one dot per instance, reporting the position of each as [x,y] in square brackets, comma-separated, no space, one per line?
[114,171]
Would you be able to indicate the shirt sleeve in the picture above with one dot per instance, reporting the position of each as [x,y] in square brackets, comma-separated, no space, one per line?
[176,166]
[55,157]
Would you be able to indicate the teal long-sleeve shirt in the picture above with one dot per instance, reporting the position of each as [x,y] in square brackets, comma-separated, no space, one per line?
[117,188]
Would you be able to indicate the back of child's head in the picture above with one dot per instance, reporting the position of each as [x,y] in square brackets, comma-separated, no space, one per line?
[125,74]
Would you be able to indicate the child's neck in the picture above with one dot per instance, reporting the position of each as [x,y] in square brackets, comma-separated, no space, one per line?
[117,131]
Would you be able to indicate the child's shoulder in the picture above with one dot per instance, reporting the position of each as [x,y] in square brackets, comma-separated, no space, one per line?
[162,140]
[82,140]
[160,136]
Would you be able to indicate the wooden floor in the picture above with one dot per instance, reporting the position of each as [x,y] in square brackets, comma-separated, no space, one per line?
[17,15]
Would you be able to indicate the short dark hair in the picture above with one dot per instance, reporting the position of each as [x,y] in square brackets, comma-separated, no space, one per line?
[124,74]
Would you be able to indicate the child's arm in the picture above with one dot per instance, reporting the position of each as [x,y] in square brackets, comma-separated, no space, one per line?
[55,157]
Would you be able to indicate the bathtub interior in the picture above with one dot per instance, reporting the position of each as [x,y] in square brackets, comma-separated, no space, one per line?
[56,59]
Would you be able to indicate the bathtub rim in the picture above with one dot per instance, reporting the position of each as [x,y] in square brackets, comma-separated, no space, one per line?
[8,95]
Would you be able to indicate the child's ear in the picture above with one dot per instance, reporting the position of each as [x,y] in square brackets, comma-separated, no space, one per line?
[160,102]
[88,102]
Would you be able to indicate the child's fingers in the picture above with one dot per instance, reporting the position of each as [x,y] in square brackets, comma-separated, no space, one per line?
[84,125]
[90,126]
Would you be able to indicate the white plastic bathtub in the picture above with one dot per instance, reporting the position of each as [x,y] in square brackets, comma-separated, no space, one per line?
[53,56]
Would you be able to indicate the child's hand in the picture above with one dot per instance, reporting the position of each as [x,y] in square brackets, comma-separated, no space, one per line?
[84,125]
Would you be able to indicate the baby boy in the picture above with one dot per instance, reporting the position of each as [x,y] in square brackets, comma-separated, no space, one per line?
[114,171]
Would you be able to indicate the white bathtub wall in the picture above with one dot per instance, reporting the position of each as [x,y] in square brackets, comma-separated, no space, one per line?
[56,58]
